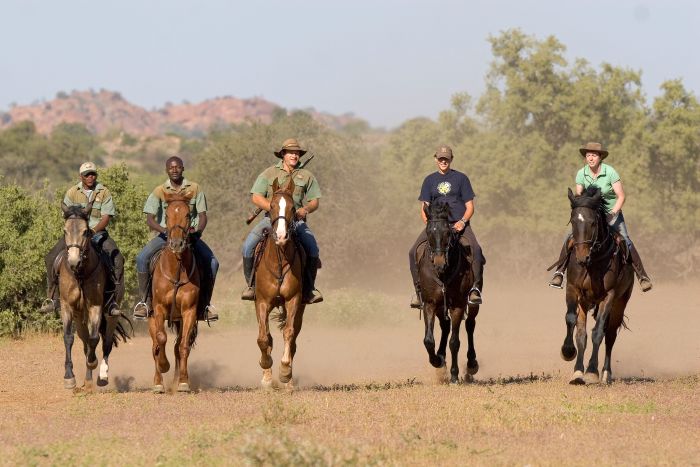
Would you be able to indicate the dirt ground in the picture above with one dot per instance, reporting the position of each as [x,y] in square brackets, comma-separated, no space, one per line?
[368,395]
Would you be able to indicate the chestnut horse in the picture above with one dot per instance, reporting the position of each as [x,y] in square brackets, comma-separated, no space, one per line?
[446,278]
[175,290]
[598,278]
[278,284]
[81,282]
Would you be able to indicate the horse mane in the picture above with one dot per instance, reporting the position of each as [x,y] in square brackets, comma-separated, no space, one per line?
[590,198]
[75,211]
[438,210]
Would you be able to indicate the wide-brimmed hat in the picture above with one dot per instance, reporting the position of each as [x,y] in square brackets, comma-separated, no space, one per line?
[594,147]
[443,151]
[87,168]
[290,144]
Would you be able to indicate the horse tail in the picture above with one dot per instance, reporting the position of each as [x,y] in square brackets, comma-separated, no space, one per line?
[280,316]
[177,326]
[120,331]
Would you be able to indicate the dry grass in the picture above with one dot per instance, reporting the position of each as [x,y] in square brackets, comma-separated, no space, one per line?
[367,396]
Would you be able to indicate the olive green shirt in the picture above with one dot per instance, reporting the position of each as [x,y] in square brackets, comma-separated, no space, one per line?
[605,179]
[305,184]
[102,204]
[156,204]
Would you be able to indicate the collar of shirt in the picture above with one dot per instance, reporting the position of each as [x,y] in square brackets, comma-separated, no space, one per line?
[169,186]
[97,188]
[587,171]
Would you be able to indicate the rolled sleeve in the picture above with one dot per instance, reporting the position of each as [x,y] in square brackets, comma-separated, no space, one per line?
[200,202]
[260,186]
[152,205]
[108,206]
[313,190]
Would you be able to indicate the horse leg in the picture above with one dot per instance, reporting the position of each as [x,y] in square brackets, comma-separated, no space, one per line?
[107,344]
[262,310]
[189,321]
[568,351]
[470,324]
[429,338]
[592,375]
[93,328]
[617,314]
[295,313]
[455,322]
[581,340]
[156,327]
[68,338]
[444,335]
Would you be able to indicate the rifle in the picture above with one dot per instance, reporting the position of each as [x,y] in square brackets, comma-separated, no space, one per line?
[257,211]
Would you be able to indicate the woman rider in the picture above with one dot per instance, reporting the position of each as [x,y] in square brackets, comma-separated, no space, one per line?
[596,173]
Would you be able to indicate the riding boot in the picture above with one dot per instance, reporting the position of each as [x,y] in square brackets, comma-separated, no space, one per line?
[417,301]
[143,307]
[475,292]
[209,314]
[642,277]
[52,303]
[249,291]
[117,279]
[558,278]
[310,295]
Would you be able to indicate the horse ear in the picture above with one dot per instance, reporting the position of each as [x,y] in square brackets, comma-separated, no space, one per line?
[275,185]
[290,185]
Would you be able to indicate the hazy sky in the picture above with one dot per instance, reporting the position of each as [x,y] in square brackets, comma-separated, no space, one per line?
[385,61]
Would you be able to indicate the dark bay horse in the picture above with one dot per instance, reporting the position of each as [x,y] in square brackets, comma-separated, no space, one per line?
[598,278]
[81,282]
[175,290]
[278,284]
[446,278]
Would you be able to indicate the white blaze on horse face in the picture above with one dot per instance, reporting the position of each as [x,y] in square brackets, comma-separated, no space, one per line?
[282,226]
[580,217]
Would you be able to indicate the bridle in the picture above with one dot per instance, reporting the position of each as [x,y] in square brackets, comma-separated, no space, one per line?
[178,246]
[288,223]
[439,250]
[82,246]
[593,241]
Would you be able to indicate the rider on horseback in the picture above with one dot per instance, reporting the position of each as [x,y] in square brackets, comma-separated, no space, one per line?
[454,188]
[305,186]
[88,189]
[154,209]
[596,173]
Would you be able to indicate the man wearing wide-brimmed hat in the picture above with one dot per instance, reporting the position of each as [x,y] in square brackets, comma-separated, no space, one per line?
[306,196]
[89,189]
[605,177]
[454,188]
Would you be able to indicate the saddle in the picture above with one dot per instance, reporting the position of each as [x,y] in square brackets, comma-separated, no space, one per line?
[260,247]
[107,265]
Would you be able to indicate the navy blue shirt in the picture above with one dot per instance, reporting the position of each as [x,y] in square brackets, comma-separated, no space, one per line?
[453,188]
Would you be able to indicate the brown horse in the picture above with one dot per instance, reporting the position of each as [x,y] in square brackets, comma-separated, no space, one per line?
[598,278]
[446,278]
[278,284]
[175,290]
[81,283]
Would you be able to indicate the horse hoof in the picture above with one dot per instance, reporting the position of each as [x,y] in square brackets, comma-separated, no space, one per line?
[101,382]
[158,389]
[69,383]
[468,378]
[568,353]
[454,380]
[289,387]
[472,367]
[183,387]
[591,378]
[285,373]
[577,378]
[607,377]
[92,365]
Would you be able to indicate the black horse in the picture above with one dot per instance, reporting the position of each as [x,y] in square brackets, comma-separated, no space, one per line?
[446,278]
[599,278]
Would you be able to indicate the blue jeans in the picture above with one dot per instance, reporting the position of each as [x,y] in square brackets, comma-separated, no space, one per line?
[620,227]
[304,234]
[201,251]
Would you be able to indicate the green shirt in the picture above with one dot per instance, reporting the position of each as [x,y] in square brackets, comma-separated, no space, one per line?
[606,177]
[305,184]
[102,204]
[156,205]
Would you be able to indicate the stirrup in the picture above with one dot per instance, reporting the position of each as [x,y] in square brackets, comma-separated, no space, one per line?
[474,302]
[247,295]
[209,314]
[48,305]
[560,286]
[114,311]
[140,316]
[648,281]
[416,303]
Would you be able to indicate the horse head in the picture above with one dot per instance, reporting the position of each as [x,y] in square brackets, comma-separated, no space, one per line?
[281,211]
[77,234]
[439,234]
[177,221]
[588,224]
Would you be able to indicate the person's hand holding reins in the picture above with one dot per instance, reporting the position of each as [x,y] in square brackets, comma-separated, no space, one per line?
[301,213]
[459,225]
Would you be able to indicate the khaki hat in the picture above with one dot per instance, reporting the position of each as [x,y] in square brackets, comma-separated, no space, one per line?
[444,151]
[290,144]
[87,167]
[594,147]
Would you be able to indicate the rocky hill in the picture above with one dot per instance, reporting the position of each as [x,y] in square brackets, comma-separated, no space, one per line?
[103,111]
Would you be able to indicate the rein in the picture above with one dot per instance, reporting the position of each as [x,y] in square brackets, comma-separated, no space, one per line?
[178,254]
[281,272]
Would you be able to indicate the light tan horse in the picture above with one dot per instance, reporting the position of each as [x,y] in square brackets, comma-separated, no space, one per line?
[175,291]
[82,280]
[278,284]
